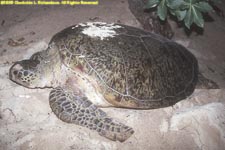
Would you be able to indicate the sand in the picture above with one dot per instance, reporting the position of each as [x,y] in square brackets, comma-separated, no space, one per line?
[27,122]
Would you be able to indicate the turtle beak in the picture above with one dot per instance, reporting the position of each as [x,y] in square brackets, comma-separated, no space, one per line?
[16,74]
[14,71]
[22,74]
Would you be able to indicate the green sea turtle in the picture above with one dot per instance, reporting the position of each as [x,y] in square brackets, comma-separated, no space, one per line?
[93,65]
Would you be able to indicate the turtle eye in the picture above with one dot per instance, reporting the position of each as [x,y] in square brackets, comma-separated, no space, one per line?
[15,72]
[25,73]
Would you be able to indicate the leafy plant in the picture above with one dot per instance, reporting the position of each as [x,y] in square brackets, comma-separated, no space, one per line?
[188,11]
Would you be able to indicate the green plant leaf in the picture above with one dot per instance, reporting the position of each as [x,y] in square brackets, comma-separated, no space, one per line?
[184,6]
[194,1]
[189,11]
[216,1]
[191,1]
[152,3]
[172,12]
[188,1]
[197,17]
[162,10]
[174,4]
[188,19]
[203,7]
[180,14]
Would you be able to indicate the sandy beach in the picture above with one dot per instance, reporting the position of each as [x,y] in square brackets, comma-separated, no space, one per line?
[28,123]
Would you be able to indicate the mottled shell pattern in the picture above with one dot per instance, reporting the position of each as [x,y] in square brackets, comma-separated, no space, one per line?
[132,68]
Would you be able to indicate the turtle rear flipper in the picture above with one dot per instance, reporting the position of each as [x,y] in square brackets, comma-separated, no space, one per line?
[73,107]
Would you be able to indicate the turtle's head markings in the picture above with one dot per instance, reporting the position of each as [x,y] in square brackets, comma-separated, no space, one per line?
[25,73]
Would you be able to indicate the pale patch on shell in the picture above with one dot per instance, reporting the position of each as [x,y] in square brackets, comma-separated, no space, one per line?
[99,29]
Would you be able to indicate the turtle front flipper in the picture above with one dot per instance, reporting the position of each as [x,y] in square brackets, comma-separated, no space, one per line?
[72,106]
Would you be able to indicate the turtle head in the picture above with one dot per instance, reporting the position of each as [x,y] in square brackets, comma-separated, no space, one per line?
[25,73]
[31,73]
